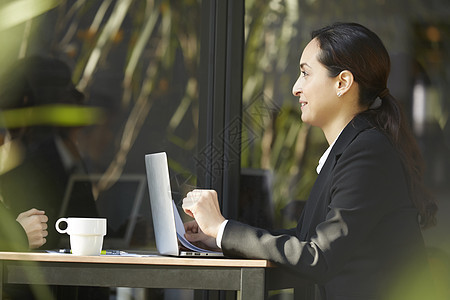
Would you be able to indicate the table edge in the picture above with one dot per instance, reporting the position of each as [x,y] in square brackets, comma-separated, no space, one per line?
[144,260]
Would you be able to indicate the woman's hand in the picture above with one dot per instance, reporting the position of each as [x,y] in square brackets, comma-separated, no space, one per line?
[196,236]
[34,222]
[203,206]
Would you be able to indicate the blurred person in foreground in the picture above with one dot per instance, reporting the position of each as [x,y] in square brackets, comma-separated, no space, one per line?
[28,231]
[46,154]
[359,235]
[43,155]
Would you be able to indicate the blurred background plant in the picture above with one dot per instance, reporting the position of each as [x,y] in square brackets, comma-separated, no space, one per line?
[138,44]
[280,141]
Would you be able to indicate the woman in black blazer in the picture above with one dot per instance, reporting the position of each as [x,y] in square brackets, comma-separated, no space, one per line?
[359,236]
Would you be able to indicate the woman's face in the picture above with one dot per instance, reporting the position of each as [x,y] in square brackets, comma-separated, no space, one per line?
[315,89]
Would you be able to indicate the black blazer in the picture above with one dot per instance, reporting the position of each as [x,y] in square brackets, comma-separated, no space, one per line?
[12,234]
[40,181]
[359,231]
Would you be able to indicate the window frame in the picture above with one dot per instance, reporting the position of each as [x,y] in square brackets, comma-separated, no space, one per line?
[220,99]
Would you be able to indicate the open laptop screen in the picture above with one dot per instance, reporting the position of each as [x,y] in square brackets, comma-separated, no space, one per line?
[167,224]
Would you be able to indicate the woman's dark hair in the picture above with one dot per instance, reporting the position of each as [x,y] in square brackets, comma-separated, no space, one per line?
[353,47]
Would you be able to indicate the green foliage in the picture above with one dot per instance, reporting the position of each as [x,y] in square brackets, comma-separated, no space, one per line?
[90,34]
[273,136]
[16,27]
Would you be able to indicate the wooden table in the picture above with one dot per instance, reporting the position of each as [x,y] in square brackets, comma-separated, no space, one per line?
[253,278]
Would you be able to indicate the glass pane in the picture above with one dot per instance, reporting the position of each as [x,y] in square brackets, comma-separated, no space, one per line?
[136,62]
[279,152]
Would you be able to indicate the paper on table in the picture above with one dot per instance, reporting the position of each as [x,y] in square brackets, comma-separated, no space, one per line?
[181,232]
[121,253]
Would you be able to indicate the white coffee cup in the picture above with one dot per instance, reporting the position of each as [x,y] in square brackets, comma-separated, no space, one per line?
[86,234]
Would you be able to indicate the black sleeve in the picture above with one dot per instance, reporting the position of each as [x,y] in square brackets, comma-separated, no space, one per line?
[367,183]
[12,234]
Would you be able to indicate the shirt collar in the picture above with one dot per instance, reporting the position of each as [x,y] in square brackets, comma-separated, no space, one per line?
[66,158]
[324,157]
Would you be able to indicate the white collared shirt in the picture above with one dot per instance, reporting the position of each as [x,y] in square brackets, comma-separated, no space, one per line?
[324,156]
[66,157]
[220,234]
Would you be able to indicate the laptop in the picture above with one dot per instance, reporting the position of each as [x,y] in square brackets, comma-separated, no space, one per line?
[119,203]
[167,223]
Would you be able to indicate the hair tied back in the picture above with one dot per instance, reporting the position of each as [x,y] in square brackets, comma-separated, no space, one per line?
[376,103]
[379,100]
[384,93]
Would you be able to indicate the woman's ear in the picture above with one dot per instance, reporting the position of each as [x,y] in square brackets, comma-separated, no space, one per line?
[344,82]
